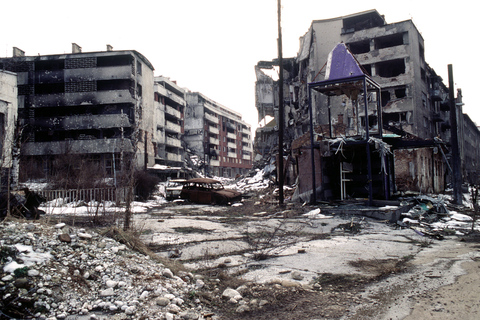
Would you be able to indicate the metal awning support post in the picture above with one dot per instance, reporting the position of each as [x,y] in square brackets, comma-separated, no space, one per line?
[280,108]
[456,161]
[367,138]
[312,154]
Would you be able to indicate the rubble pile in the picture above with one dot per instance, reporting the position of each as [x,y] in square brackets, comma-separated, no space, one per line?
[57,272]
[431,217]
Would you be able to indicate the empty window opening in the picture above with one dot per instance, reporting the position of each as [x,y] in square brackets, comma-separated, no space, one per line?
[139,67]
[372,121]
[50,88]
[359,47]
[422,52]
[389,41]
[385,97]
[400,92]
[367,68]
[50,65]
[396,117]
[390,68]
[111,61]
[119,84]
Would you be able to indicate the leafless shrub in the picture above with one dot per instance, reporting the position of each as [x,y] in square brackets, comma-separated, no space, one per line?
[269,240]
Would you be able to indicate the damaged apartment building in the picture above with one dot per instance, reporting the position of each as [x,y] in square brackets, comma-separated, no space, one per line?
[217,136]
[95,106]
[8,117]
[169,111]
[413,116]
[106,108]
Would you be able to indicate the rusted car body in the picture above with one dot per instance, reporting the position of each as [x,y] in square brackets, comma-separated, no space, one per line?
[173,188]
[208,191]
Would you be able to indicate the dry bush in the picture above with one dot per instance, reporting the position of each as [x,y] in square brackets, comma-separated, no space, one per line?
[131,238]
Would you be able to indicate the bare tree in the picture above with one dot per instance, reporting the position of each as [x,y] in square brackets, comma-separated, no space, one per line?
[474,190]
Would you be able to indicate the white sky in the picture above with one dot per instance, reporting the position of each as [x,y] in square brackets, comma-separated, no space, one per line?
[212,46]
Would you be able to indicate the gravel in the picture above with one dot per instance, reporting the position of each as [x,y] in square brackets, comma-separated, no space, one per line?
[61,272]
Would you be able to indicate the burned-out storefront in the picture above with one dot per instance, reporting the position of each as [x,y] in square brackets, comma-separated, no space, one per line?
[353,159]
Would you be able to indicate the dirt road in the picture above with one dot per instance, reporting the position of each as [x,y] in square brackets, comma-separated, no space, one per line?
[443,282]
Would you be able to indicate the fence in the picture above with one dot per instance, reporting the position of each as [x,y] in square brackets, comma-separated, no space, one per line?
[116,195]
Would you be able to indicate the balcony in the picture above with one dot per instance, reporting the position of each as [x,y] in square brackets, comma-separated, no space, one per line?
[247,148]
[232,145]
[94,146]
[211,118]
[213,130]
[246,140]
[246,131]
[437,95]
[445,105]
[174,112]
[175,98]
[246,157]
[215,163]
[174,157]
[85,122]
[172,127]
[173,142]
[85,98]
[231,155]
[231,135]
[214,141]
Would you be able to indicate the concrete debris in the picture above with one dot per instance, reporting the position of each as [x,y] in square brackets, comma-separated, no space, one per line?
[87,278]
[431,217]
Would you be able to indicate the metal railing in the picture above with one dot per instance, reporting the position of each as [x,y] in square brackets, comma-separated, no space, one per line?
[112,194]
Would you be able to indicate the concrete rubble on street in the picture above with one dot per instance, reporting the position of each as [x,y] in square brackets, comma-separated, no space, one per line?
[63,271]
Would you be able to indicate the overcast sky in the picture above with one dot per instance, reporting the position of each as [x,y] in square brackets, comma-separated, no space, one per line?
[212,46]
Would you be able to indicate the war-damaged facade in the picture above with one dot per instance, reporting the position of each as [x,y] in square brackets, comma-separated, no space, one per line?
[217,136]
[414,101]
[169,121]
[96,104]
[8,117]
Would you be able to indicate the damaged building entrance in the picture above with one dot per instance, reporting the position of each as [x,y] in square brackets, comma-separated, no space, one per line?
[355,161]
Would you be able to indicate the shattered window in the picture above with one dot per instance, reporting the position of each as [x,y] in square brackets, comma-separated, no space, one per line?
[392,68]
[359,47]
[385,97]
[117,60]
[401,92]
[50,88]
[49,65]
[389,41]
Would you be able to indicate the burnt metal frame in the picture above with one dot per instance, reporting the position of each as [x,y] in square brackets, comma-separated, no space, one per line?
[367,82]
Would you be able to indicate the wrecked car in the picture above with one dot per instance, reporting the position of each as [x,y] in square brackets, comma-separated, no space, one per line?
[173,188]
[21,204]
[208,191]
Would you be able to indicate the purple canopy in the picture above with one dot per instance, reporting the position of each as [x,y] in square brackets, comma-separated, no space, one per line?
[342,64]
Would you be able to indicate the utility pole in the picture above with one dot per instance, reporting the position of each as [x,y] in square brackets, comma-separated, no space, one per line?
[456,162]
[280,106]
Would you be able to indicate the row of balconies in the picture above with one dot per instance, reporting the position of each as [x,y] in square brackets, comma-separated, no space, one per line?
[174,157]
[81,122]
[95,146]
[173,142]
[211,118]
[172,111]
[173,127]
[232,145]
[216,163]
[213,130]
[79,98]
